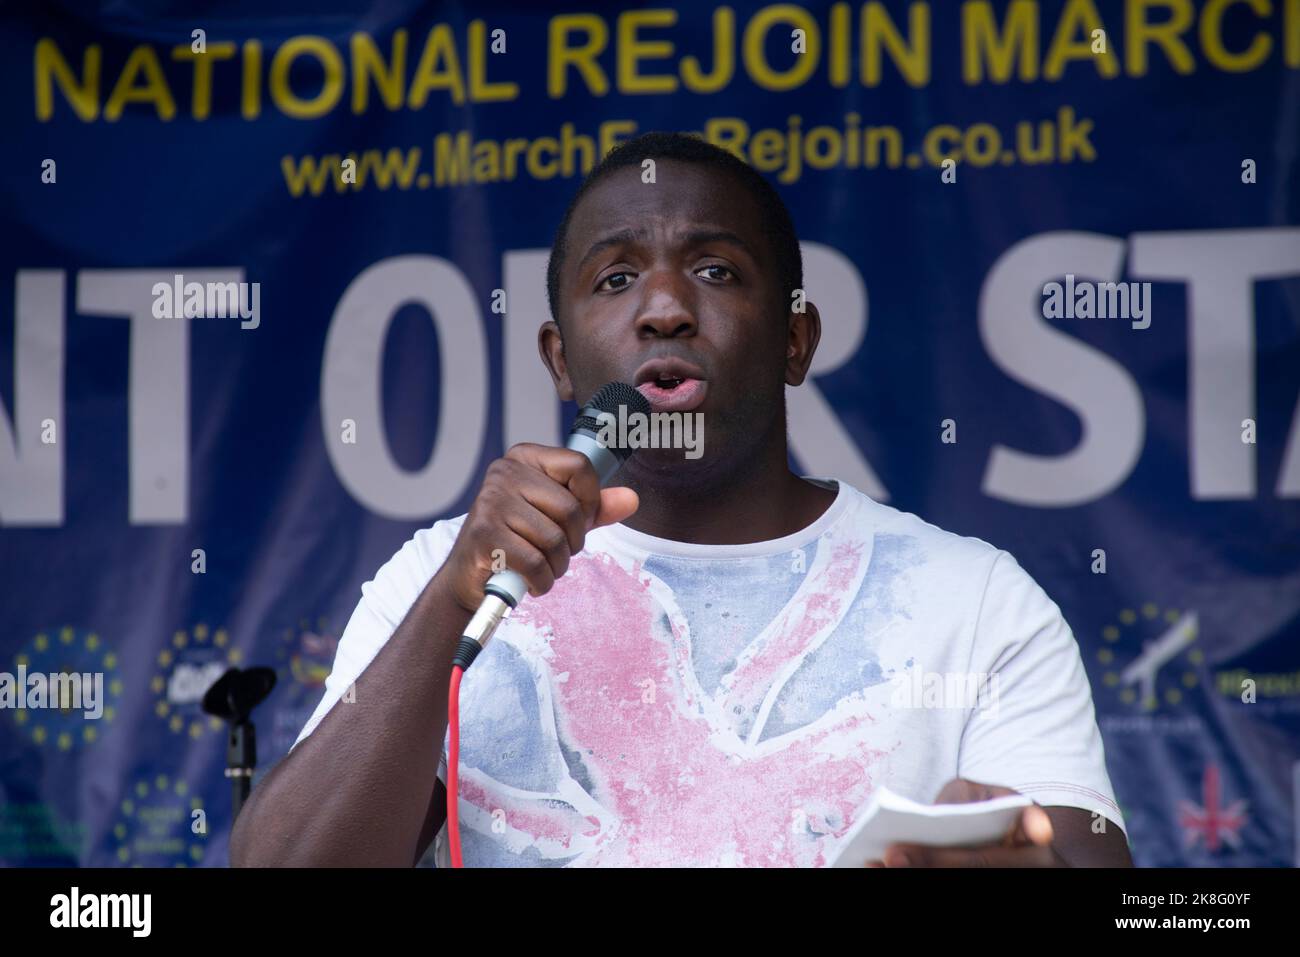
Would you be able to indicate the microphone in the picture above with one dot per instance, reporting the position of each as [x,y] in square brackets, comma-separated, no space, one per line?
[506,589]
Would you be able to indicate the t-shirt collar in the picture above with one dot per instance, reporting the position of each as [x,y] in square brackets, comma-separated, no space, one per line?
[639,542]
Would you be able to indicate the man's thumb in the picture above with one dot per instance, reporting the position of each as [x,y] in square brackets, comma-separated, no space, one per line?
[616,504]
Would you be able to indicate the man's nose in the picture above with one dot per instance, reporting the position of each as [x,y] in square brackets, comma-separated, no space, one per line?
[667,312]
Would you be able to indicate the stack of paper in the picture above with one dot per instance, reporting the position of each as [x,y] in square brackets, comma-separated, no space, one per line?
[893,819]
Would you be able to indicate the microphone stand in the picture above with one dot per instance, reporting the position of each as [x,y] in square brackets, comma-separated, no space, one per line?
[232,698]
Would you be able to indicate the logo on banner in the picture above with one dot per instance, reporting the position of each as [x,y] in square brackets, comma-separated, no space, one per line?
[160,824]
[187,668]
[1211,823]
[1165,669]
[304,657]
[61,679]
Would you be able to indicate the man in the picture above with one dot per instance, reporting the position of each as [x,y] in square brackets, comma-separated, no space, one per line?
[719,660]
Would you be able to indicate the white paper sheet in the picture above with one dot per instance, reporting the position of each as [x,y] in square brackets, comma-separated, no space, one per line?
[893,819]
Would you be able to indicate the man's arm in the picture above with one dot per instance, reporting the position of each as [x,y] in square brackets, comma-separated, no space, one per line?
[1077,845]
[359,790]
[1036,732]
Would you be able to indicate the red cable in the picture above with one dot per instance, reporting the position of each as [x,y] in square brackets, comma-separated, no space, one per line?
[453,763]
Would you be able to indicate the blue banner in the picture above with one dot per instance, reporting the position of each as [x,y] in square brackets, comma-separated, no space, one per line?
[276,276]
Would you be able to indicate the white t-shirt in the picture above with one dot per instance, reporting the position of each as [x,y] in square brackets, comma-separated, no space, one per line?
[702,705]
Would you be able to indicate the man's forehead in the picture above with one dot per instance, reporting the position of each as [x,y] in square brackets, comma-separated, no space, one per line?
[683,197]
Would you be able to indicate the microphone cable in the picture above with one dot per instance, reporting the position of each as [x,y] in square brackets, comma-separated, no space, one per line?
[503,591]
[453,764]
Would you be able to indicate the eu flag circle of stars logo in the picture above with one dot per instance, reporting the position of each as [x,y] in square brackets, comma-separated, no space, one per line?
[187,667]
[68,650]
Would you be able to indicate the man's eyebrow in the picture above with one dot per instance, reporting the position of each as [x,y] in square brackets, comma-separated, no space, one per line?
[701,236]
[613,239]
[696,237]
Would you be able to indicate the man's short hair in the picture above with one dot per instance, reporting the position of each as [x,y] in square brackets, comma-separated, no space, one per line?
[687,148]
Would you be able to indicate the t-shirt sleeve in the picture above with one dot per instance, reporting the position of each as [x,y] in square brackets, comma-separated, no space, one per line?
[385,600]
[1036,730]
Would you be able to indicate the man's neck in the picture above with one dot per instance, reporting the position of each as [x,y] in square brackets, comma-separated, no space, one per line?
[759,503]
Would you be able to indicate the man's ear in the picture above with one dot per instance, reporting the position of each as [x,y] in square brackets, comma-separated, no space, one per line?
[550,343]
[805,331]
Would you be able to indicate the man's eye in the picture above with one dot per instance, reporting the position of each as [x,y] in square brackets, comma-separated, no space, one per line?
[718,268]
[616,286]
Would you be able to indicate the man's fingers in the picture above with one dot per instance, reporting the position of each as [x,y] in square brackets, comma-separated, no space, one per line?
[616,504]
[546,538]
[1036,826]
[965,791]
[523,557]
[571,469]
[585,487]
[1033,827]
[561,507]
[556,506]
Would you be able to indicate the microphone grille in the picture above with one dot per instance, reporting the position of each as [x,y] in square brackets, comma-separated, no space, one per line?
[614,394]
[610,398]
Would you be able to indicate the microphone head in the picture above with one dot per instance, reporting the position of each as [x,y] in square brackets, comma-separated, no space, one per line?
[610,398]
[234,695]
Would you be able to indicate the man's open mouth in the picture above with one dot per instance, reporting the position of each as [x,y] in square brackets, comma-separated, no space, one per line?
[671,385]
[674,394]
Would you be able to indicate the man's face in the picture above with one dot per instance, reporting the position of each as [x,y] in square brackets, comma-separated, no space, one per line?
[672,287]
